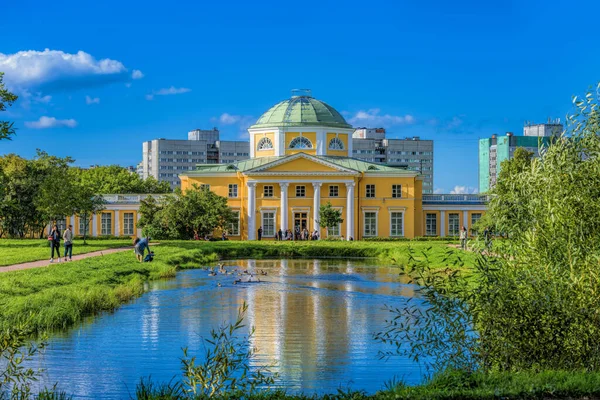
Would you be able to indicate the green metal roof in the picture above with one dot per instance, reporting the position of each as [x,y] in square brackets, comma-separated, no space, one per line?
[301,111]
[344,162]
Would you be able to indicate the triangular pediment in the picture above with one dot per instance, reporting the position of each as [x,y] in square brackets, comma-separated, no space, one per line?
[300,163]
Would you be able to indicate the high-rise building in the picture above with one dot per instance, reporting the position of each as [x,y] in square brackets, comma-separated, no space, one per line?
[415,154]
[494,150]
[165,159]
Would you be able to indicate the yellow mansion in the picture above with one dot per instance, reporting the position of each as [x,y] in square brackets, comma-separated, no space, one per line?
[300,159]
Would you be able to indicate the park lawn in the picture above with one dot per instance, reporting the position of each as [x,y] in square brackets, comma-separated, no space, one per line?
[61,294]
[17,251]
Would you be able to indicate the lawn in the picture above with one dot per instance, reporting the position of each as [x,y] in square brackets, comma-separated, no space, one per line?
[17,251]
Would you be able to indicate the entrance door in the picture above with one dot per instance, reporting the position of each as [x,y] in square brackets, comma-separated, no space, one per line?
[301,220]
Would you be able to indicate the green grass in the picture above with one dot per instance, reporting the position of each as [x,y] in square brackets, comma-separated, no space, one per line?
[57,296]
[446,386]
[17,251]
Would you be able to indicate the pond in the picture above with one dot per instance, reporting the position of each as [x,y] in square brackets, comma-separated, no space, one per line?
[314,321]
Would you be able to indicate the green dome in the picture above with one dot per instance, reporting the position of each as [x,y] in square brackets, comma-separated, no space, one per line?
[301,111]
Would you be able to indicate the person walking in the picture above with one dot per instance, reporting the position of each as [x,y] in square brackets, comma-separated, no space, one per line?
[260,233]
[68,237]
[463,238]
[280,234]
[54,239]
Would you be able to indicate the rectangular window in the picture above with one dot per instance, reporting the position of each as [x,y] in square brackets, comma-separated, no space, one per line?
[61,224]
[431,224]
[396,191]
[233,191]
[475,217]
[370,191]
[268,223]
[396,225]
[334,191]
[106,224]
[204,187]
[268,191]
[333,231]
[128,224]
[300,191]
[234,227]
[453,224]
[85,226]
[370,224]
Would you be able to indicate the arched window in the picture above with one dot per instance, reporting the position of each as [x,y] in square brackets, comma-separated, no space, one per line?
[336,144]
[300,142]
[264,144]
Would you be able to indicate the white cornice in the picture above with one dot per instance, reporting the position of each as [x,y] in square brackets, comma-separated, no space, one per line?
[286,159]
[300,173]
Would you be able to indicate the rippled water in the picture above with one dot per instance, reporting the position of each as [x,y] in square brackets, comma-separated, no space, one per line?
[314,320]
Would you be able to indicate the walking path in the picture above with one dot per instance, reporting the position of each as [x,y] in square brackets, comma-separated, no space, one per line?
[46,262]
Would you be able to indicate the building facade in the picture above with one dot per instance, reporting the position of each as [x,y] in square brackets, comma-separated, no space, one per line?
[415,154]
[301,158]
[494,150]
[165,159]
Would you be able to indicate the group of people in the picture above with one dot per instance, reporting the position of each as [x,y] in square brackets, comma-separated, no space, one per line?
[55,237]
[297,234]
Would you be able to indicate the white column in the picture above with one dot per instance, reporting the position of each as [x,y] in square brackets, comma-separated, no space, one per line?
[284,206]
[138,230]
[466,219]
[442,223]
[317,205]
[94,225]
[350,210]
[251,216]
[117,224]
[72,222]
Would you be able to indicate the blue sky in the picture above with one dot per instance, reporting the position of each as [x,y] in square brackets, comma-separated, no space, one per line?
[462,70]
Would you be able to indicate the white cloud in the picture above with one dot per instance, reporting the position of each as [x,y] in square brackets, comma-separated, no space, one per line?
[373,118]
[228,119]
[137,74]
[439,191]
[55,69]
[42,99]
[51,122]
[92,100]
[464,190]
[167,92]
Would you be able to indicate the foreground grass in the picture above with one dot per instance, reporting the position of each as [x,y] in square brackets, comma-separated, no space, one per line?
[445,386]
[17,251]
[57,296]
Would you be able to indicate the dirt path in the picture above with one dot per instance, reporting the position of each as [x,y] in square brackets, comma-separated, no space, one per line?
[45,263]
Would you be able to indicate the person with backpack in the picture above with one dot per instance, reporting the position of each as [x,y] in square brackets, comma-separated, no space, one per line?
[54,239]
[68,237]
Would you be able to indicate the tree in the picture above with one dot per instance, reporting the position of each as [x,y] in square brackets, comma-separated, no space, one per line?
[184,215]
[116,179]
[510,215]
[86,203]
[329,217]
[6,99]
[148,222]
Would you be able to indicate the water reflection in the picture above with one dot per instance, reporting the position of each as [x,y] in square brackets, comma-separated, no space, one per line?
[314,320]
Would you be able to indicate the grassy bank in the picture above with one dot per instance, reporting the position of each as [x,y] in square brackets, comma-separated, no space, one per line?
[445,386]
[57,296]
[16,251]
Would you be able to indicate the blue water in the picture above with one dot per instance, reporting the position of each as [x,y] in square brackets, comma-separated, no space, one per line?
[314,322]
